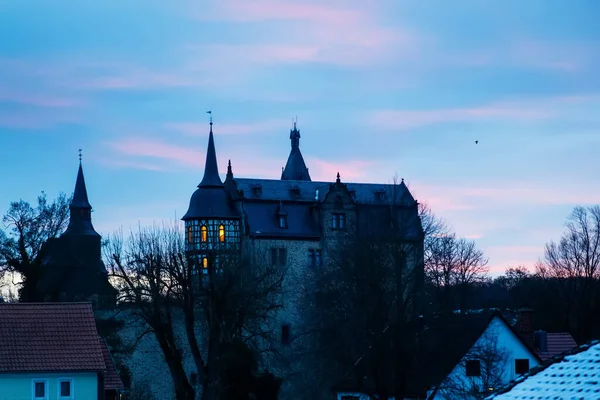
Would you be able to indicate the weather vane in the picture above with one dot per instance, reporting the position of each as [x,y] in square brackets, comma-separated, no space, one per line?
[80,150]
[210,113]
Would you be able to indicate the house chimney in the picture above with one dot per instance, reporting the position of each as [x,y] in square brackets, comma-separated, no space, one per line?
[525,322]
[540,339]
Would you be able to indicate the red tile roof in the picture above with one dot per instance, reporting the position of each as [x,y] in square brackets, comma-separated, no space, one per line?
[557,344]
[49,337]
[112,380]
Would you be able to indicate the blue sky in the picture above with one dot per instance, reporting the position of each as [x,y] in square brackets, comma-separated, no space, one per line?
[379,88]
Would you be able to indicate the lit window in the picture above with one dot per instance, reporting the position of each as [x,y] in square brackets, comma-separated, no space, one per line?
[221,233]
[39,390]
[205,263]
[190,234]
[203,233]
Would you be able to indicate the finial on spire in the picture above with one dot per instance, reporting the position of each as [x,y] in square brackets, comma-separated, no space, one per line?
[211,121]
[229,170]
[337,180]
[80,156]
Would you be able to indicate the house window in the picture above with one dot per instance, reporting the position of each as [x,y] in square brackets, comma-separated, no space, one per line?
[314,258]
[278,256]
[283,221]
[204,233]
[338,221]
[65,389]
[40,389]
[521,366]
[473,368]
[285,334]
[221,233]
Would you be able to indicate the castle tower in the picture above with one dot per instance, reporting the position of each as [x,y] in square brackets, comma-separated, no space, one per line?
[73,267]
[212,224]
[295,168]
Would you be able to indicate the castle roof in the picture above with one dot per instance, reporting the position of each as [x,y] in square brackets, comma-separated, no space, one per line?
[295,168]
[210,200]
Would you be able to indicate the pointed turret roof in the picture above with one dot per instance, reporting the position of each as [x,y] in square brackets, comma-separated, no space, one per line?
[211,169]
[211,199]
[80,196]
[295,168]
[80,219]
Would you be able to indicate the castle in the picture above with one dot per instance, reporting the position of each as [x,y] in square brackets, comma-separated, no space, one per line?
[298,221]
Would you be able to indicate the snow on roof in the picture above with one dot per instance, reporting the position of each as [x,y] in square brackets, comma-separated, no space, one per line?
[576,376]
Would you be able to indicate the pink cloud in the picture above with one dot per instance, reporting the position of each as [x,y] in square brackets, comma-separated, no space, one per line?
[151,148]
[201,128]
[39,100]
[350,170]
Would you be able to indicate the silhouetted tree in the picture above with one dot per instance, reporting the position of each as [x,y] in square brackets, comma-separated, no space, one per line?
[22,243]
[453,267]
[573,267]
[222,307]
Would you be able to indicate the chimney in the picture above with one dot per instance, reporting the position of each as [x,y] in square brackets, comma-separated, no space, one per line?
[525,322]
[540,339]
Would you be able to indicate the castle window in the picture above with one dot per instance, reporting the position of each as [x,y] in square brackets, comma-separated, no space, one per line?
[295,191]
[352,193]
[380,195]
[204,263]
[338,221]
[283,221]
[257,190]
[285,334]
[221,233]
[190,235]
[314,258]
[203,233]
[278,256]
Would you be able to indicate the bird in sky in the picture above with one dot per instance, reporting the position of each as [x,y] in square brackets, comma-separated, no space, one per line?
[477,141]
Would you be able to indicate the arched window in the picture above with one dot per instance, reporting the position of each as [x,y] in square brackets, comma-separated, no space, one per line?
[221,233]
[203,233]
[205,263]
[190,234]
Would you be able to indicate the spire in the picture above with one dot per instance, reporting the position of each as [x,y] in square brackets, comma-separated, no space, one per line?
[211,170]
[80,197]
[80,220]
[337,179]
[229,171]
[295,168]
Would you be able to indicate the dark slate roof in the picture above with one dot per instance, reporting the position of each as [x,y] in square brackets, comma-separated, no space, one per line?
[262,220]
[573,375]
[365,193]
[295,168]
[557,343]
[112,380]
[49,337]
[80,197]
[211,200]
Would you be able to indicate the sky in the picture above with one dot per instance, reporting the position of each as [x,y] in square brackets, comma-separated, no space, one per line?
[379,89]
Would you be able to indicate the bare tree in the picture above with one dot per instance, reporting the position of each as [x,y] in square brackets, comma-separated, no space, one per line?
[231,301]
[27,230]
[492,362]
[454,265]
[574,264]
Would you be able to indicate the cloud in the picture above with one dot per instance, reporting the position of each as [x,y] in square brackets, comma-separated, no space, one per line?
[518,110]
[39,100]
[350,170]
[158,150]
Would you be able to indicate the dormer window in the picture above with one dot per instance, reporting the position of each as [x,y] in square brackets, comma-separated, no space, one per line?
[295,191]
[283,221]
[204,234]
[380,195]
[221,233]
[257,191]
[338,221]
[352,193]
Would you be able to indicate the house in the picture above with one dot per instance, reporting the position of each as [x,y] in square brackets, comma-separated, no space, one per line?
[458,356]
[572,375]
[52,351]
[479,353]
